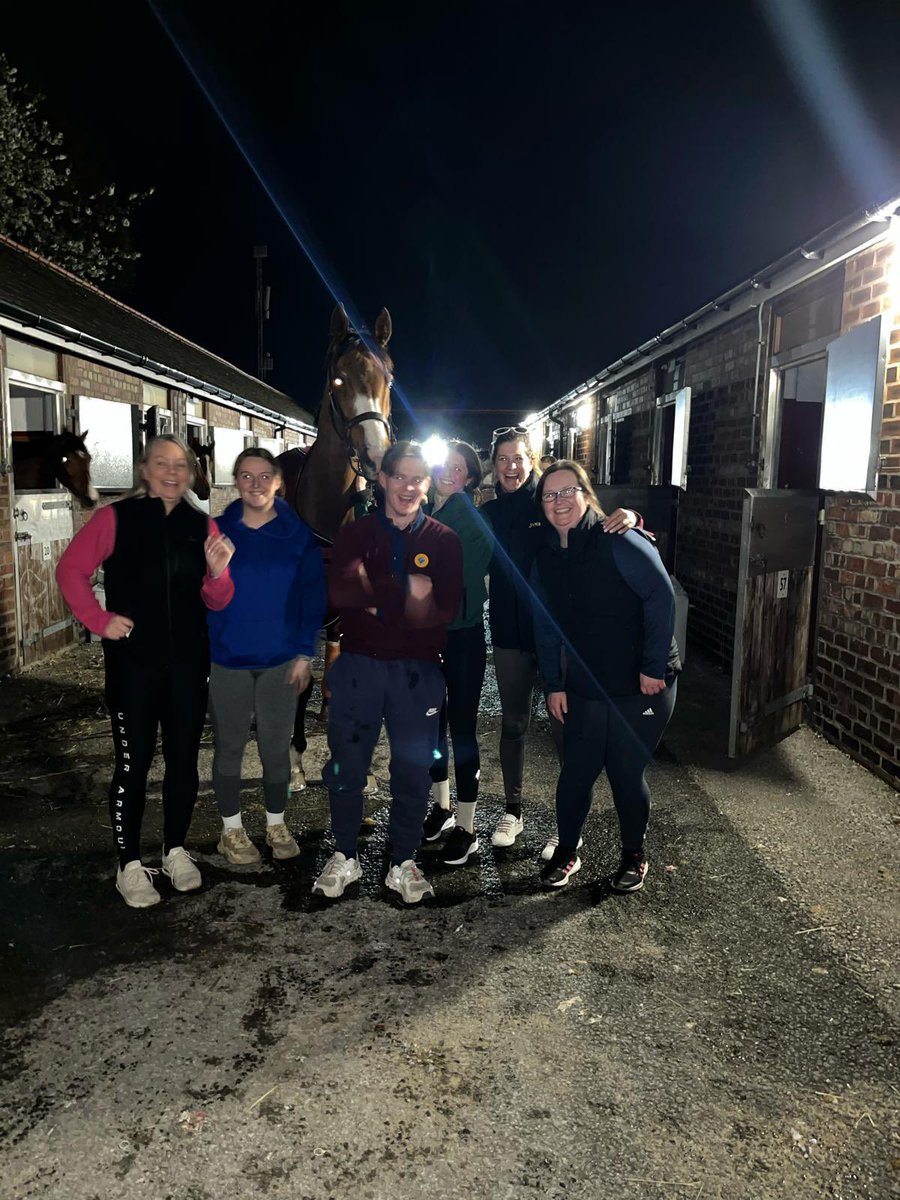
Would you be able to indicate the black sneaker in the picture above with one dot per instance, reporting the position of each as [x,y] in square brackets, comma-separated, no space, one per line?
[438,821]
[560,869]
[460,845]
[631,873]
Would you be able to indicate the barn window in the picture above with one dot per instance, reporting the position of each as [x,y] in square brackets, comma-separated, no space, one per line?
[670,437]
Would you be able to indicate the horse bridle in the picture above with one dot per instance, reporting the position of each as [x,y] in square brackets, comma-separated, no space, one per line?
[344,426]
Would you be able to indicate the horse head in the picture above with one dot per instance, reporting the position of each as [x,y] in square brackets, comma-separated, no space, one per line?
[71,462]
[202,457]
[359,375]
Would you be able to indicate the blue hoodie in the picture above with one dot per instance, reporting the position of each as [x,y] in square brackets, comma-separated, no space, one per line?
[279,592]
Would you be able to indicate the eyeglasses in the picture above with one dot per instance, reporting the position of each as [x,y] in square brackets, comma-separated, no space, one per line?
[562,494]
[517,429]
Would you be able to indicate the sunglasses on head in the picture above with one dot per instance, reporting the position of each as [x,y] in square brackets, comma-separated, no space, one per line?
[520,430]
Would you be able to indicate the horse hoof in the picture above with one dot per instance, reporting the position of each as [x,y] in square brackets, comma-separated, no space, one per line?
[298,775]
[371,788]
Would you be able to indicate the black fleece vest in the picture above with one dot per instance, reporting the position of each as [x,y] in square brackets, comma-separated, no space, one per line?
[154,575]
[598,613]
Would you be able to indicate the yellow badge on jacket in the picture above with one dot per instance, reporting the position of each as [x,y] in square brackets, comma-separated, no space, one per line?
[421,560]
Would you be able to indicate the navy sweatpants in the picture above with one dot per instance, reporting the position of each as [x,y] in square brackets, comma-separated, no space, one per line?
[619,734]
[407,696]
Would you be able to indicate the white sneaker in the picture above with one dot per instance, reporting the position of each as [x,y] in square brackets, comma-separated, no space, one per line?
[179,866]
[134,882]
[409,881]
[508,829]
[298,775]
[547,852]
[338,872]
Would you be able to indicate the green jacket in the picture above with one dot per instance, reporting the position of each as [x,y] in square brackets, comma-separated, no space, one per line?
[461,515]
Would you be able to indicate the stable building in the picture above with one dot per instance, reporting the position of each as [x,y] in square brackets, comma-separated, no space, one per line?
[760,437]
[74,358]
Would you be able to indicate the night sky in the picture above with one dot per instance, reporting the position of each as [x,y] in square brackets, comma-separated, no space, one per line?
[531,189]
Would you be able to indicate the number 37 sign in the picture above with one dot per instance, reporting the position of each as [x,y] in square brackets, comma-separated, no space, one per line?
[782,588]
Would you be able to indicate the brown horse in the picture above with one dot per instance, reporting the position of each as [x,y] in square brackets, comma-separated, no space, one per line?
[39,462]
[325,482]
[202,458]
[353,428]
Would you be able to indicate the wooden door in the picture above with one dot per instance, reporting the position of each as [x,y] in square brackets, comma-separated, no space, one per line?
[770,676]
[43,529]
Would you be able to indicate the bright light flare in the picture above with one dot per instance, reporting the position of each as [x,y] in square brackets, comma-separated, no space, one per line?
[435,450]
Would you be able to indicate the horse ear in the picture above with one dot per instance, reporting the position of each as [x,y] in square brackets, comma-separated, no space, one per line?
[383,328]
[340,324]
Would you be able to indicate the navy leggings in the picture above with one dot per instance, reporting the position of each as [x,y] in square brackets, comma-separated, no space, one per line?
[621,735]
[464,663]
[407,695]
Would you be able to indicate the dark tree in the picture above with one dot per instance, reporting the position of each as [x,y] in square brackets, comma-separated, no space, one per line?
[41,204]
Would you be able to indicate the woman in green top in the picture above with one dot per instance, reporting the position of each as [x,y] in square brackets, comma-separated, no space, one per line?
[464,659]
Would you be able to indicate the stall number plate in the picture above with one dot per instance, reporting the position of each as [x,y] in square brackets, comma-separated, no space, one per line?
[783,577]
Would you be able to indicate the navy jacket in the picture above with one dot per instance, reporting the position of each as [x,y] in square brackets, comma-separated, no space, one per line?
[516,523]
[605,612]
[279,592]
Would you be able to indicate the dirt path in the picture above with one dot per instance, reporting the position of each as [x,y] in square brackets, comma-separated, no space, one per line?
[730,1032]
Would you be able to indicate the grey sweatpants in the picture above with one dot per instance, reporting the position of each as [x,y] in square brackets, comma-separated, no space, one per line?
[234,696]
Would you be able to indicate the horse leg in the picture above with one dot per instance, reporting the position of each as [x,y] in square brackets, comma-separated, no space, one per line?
[298,740]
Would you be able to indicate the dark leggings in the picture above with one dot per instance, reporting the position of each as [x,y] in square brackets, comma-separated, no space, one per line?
[464,663]
[619,734]
[142,699]
[517,677]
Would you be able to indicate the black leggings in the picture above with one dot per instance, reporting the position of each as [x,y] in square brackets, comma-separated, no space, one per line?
[517,678]
[619,734]
[141,699]
[464,663]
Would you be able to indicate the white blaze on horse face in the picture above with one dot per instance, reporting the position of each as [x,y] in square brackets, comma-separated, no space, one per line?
[374,434]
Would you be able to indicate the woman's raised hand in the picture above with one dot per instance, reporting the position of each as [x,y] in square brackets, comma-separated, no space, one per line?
[620,521]
[218,550]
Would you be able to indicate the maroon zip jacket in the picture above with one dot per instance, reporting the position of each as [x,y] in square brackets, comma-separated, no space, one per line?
[401,627]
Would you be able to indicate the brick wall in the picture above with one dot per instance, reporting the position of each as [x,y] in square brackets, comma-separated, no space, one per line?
[857,693]
[722,462]
[720,370]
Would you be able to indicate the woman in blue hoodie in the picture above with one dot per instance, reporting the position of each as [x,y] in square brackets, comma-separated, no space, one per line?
[261,649]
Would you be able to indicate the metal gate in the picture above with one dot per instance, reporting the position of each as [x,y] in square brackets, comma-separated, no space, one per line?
[770,672]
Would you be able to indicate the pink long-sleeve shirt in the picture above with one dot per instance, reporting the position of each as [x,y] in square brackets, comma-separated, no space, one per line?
[94,543]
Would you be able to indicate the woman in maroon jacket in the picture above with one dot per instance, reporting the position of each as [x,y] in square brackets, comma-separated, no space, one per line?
[164,563]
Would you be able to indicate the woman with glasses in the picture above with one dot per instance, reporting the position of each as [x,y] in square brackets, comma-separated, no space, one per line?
[515,519]
[604,631]
[464,658]
[261,647]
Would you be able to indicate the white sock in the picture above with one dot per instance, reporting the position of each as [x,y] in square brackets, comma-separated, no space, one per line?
[274,818]
[465,816]
[440,793]
[235,822]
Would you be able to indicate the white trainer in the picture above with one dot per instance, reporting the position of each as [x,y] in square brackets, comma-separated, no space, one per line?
[179,866]
[337,874]
[298,775]
[547,852]
[508,829]
[134,883]
[409,881]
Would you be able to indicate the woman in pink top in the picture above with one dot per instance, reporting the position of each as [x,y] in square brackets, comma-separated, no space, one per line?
[164,564]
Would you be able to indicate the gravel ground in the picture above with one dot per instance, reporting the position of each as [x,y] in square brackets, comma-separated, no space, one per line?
[729,1032]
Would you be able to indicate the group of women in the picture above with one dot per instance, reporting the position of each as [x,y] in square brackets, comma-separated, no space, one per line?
[241,601]
[593,619]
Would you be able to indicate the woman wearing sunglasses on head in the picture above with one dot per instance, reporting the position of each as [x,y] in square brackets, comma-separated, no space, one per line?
[464,657]
[604,628]
[515,519]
